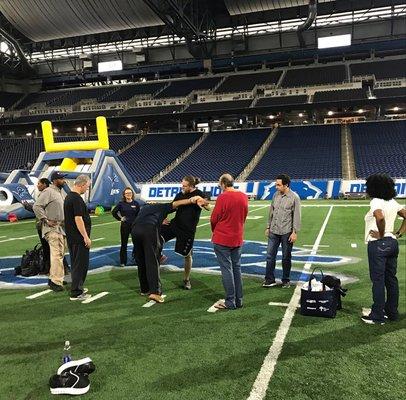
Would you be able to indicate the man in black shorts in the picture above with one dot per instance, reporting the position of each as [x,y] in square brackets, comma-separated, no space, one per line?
[183,226]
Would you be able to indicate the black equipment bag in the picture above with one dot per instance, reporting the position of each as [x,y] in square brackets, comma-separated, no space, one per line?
[334,283]
[318,304]
[32,262]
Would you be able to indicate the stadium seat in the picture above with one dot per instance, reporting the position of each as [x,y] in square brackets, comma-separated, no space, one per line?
[302,152]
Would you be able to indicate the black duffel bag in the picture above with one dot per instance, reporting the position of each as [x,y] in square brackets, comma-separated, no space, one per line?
[32,262]
[318,303]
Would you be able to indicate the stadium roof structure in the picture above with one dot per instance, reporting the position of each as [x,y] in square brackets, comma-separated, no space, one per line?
[42,31]
[44,20]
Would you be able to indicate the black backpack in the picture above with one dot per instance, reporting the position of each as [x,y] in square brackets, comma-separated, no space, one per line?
[32,262]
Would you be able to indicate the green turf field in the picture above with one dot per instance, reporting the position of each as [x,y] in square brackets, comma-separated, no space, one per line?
[178,350]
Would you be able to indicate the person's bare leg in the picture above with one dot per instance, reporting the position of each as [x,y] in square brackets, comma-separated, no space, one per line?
[187,267]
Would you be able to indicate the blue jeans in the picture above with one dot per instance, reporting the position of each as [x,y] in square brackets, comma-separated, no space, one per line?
[230,266]
[273,244]
[382,259]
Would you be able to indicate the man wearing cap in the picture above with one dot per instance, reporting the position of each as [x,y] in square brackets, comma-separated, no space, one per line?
[49,210]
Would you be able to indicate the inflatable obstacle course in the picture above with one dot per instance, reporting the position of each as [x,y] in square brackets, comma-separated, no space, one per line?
[94,158]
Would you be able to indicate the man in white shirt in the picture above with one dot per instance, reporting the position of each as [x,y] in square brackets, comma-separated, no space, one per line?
[383,248]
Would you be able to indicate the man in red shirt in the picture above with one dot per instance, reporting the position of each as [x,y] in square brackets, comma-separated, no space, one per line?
[227,225]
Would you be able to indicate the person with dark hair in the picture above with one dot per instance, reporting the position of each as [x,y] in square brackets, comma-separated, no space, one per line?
[42,184]
[383,248]
[283,225]
[49,210]
[227,226]
[146,239]
[126,211]
[183,226]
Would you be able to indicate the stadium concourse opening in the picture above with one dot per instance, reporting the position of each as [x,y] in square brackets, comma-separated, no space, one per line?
[129,130]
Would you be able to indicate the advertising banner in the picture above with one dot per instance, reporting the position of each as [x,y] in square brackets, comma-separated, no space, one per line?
[264,190]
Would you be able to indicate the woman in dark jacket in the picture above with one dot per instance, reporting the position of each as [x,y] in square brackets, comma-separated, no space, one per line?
[126,211]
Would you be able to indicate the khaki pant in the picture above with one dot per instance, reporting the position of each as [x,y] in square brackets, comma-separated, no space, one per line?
[57,246]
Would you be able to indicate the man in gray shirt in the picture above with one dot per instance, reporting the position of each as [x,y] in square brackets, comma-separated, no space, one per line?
[283,225]
[49,210]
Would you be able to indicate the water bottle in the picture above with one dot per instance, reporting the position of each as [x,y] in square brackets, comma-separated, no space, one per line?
[66,353]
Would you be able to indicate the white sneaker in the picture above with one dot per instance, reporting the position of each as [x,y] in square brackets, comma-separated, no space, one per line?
[81,297]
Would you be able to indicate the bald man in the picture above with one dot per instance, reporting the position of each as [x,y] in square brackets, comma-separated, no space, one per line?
[227,224]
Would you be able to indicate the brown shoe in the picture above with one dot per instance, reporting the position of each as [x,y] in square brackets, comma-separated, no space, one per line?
[156,297]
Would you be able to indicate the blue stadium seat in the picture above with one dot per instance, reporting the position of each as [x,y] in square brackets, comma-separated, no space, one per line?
[221,152]
[379,147]
[154,152]
[302,152]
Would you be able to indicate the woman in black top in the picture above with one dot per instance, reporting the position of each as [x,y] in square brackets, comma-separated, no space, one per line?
[126,211]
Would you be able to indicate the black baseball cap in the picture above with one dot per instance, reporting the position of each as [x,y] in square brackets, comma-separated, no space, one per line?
[57,175]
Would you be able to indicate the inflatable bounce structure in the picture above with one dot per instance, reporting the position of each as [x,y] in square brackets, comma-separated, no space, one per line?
[108,175]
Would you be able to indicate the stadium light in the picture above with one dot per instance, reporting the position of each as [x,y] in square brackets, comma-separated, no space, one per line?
[28,134]
[396,108]
[271,116]
[330,113]
[107,66]
[334,41]
[55,130]
[79,129]
[301,115]
[130,126]
[4,48]
[360,111]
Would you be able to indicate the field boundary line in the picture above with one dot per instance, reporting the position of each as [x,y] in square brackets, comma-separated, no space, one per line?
[264,376]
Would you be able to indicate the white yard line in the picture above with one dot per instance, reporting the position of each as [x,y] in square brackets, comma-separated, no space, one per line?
[34,296]
[19,238]
[95,297]
[2,237]
[334,205]
[321,245]
[264,376]
[31,221]
[151,302]
[199,226]
[97,239]
[105,223]
[256,209]
[272,303]
[261,207]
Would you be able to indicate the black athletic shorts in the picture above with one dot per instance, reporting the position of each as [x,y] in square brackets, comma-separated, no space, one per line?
[184,240]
